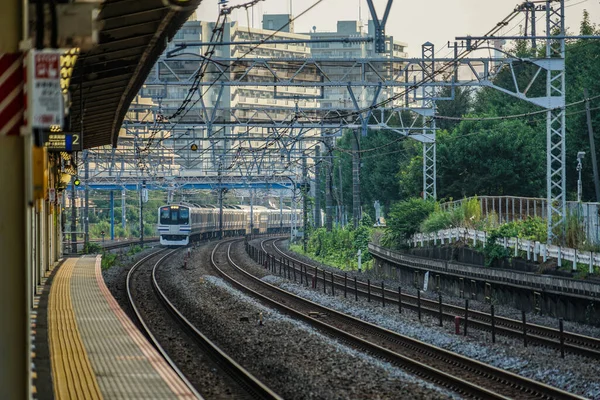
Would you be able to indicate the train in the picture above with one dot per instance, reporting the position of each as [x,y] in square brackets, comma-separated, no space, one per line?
[182,223]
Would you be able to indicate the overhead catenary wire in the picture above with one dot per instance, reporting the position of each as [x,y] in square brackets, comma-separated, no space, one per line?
[183,113]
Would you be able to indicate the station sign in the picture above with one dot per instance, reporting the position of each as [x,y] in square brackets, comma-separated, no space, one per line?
[62,141]
[44,93]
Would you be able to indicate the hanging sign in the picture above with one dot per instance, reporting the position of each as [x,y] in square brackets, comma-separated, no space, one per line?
[44,94]
[62,141]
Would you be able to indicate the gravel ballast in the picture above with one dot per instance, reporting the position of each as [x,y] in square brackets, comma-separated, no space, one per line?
[574,374]
[289,356]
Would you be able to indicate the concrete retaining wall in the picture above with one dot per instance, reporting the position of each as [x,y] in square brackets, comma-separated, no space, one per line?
[570,299]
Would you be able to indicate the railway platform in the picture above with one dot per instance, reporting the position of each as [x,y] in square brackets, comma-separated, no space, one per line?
[94,351]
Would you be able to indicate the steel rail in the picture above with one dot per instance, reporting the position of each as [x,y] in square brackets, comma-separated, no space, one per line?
[145,326]
[459,365]
[574,343]
[243,377]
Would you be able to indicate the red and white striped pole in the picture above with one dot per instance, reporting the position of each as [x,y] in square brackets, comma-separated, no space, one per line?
[12,99]
[15,161]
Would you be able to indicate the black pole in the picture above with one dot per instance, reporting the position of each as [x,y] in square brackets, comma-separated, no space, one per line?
[419,303]
[524,329]
[345,284]
[368,290]
[332,285]
[466,314]
[355,290]
[382,295]
[492,314]
[324,283]
[441,312]
[562,338]
[400,299]
[142,212]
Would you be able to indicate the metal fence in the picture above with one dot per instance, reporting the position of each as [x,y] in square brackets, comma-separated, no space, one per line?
[533,248]
[510,208]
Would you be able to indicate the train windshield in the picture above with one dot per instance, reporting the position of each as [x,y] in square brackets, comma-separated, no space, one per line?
[165,215]
[184,215]
[174,215]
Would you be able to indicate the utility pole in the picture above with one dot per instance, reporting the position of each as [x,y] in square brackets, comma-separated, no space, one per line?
[123,205]
[280,212]
[112,215]
[317,187]
[86,219]
[341,196]
[592,144]
[328,184]
[355,180]
[251,211]
[142,189]
[304,202]
[220,204]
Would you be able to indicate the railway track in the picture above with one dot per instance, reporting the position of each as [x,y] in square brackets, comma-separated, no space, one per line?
[465,376]
[536,334]
[247,385]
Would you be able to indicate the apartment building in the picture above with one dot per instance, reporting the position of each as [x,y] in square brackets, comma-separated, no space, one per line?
[244,111]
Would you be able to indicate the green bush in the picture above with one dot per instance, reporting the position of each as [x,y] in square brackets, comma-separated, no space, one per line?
[439,220]
[404,220]
[471,211]
[108,260]
[531,229]
[340,246]
[134,249]
[92,248]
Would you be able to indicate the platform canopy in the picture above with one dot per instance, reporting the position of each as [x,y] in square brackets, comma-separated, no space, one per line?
[106,78]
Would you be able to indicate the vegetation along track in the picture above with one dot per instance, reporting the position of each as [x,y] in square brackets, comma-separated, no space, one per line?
[247,386]
[468,377]
[536,334]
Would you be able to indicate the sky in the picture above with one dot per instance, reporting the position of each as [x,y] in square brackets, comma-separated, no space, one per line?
[410,21]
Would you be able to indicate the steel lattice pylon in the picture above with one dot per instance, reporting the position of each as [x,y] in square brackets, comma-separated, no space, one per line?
[555,124]
[429,148]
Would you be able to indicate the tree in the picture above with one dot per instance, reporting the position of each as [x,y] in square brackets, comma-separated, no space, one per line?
[459,106]
[491,158]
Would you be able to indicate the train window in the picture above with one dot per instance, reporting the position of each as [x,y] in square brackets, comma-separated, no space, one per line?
[165,216]
[184,215]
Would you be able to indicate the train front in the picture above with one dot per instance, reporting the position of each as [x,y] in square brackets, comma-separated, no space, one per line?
[174,225]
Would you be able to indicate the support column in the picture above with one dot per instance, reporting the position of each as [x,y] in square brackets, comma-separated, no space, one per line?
[15,236]
[428,113]
[251,211]
[86,216]
[555,122]
[280,212]
[112,215]
[304,202]
[14,300]
[328,188]
[142,190]
[355,180]
[73,217]
[123,211]
[37,243]
[317,187]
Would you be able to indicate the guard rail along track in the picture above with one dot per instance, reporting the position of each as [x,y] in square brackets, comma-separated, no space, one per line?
[536,334]
[253,386]
[466,376]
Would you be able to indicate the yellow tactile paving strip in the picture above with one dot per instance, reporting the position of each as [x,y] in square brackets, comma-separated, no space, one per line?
[73,376]
[152,356]
[119,360]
